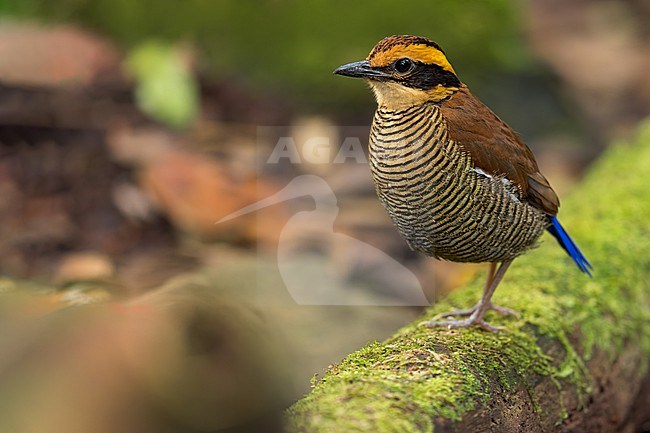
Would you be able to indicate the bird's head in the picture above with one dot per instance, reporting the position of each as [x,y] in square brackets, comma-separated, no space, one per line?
[405,70]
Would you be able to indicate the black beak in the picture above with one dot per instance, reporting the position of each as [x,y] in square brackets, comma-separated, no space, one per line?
[361,69]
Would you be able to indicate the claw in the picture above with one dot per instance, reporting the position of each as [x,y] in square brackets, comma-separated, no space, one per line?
[465,313]
[455,313]
[504,311]
[464,323]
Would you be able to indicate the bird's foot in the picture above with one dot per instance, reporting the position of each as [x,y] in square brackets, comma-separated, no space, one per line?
[466,313]
[463,323]
[474,318]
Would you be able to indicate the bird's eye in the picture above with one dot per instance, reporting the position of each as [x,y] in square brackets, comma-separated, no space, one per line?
[403,65]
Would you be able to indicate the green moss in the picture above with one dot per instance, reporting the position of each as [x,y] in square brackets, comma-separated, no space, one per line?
[420,374]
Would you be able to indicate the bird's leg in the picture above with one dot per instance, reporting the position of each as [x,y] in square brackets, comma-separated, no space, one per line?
[477,312]
[468,312]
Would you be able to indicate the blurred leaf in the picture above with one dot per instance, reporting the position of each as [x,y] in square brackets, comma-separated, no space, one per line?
[166,88]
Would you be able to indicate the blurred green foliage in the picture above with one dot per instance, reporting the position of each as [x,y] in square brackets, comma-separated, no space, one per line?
[166,89]
[291,46]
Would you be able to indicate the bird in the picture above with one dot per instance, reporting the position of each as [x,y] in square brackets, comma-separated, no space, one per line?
[457,182]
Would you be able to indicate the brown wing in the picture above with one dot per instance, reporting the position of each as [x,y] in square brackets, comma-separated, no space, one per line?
[496,149]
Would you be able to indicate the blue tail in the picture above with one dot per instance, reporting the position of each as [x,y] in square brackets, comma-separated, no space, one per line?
[569,246]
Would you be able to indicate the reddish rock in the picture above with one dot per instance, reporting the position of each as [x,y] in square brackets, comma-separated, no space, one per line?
[46,56]
[195,192]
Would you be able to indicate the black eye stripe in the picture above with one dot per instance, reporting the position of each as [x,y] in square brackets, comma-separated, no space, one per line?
[423,76]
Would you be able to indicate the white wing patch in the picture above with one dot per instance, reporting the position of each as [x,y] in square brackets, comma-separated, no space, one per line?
[512,190]
[483,173]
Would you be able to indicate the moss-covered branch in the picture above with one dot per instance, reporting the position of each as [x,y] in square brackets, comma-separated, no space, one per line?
[574,361]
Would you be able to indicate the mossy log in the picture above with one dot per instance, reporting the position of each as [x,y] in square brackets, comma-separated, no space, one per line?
[575,361]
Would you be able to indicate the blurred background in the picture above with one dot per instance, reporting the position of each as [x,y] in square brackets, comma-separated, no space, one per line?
[128,128]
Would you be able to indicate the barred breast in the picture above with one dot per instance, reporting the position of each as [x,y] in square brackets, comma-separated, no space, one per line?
[442,205]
